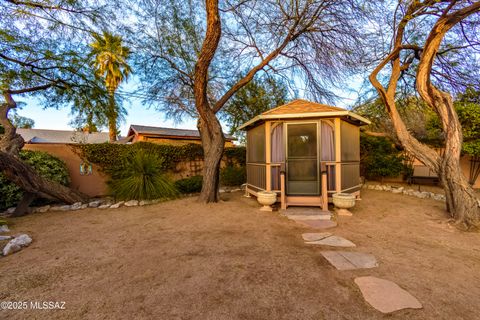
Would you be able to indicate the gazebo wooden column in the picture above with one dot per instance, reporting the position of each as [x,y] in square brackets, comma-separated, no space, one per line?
[268,156]
[338,155]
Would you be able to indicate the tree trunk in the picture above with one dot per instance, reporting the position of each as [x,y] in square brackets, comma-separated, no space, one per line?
[23,206]
[112,119]
[462,202]
[213,144]
[28,179]
[208,124]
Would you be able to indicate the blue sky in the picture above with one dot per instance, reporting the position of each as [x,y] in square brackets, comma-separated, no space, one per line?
[138,113]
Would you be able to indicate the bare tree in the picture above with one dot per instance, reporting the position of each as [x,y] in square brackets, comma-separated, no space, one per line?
[192,63]
[424,58]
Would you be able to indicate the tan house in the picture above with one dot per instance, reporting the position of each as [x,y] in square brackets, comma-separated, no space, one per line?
[168,135]
[304,151]
[84,177]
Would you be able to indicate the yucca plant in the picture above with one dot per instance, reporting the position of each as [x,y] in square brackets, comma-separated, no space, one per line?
[140,178]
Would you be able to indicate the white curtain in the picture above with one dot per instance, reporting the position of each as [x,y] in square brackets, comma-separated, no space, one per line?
[278,154]
[328,142]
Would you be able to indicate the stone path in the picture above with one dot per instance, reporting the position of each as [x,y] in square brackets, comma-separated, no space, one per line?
[317,224]
[333,241]
[315,236]
[386,296]
[345,260]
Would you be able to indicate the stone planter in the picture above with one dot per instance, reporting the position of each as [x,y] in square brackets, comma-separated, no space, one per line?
[343,202]
[266,199]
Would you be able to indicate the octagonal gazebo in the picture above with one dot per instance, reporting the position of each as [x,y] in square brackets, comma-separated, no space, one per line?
[304,151]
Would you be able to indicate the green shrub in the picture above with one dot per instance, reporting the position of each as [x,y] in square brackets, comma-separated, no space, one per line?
[189,185]
[140,177]
[45,164]
[235,156]
[233,176]
[380,158]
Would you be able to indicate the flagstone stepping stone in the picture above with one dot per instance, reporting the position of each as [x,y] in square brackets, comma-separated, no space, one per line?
[333,241]
[317,224]
[345,260]
[310,217]
[386,296]
[315,236]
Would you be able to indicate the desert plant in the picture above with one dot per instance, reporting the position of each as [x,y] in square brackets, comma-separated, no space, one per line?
[140,177]
[233,176]
[189,185]
[45,164]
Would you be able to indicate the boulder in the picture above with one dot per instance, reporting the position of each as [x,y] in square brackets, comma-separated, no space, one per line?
[117,205]
[398,190]
[65,208]
[16,244]
[131,203]
[76,206]
[43,209]
[4,228]
[94,204]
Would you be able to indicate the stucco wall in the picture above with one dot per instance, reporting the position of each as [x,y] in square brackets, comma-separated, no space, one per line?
[92,185]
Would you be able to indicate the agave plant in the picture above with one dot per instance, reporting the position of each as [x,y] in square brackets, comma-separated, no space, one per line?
[140,177]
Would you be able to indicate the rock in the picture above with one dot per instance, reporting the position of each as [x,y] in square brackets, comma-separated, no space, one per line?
[386,296]
[345,260]
[131,203]
[76,206]
[65,208]
[10,210]
[370,187]
[4,228]
[378,187]
[315,236]
[317,224]
[333,241]
[16,244]
[422,195]
[43,209]
[438,197]
[144,202]
[117,205]
[104,206]
[5,238]
[398,190]
[387,188]
[310,217]
[94,204]
[84,206]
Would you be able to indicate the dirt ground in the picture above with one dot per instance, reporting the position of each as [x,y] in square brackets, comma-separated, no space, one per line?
[184,260]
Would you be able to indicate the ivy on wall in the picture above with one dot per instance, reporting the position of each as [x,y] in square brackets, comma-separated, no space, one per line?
[111,155]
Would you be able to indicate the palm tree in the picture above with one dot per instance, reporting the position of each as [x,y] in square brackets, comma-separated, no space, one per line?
[110,62]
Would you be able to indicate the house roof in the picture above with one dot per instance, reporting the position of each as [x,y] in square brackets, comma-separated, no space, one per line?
[61,136]
[300,108]
[168,132]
